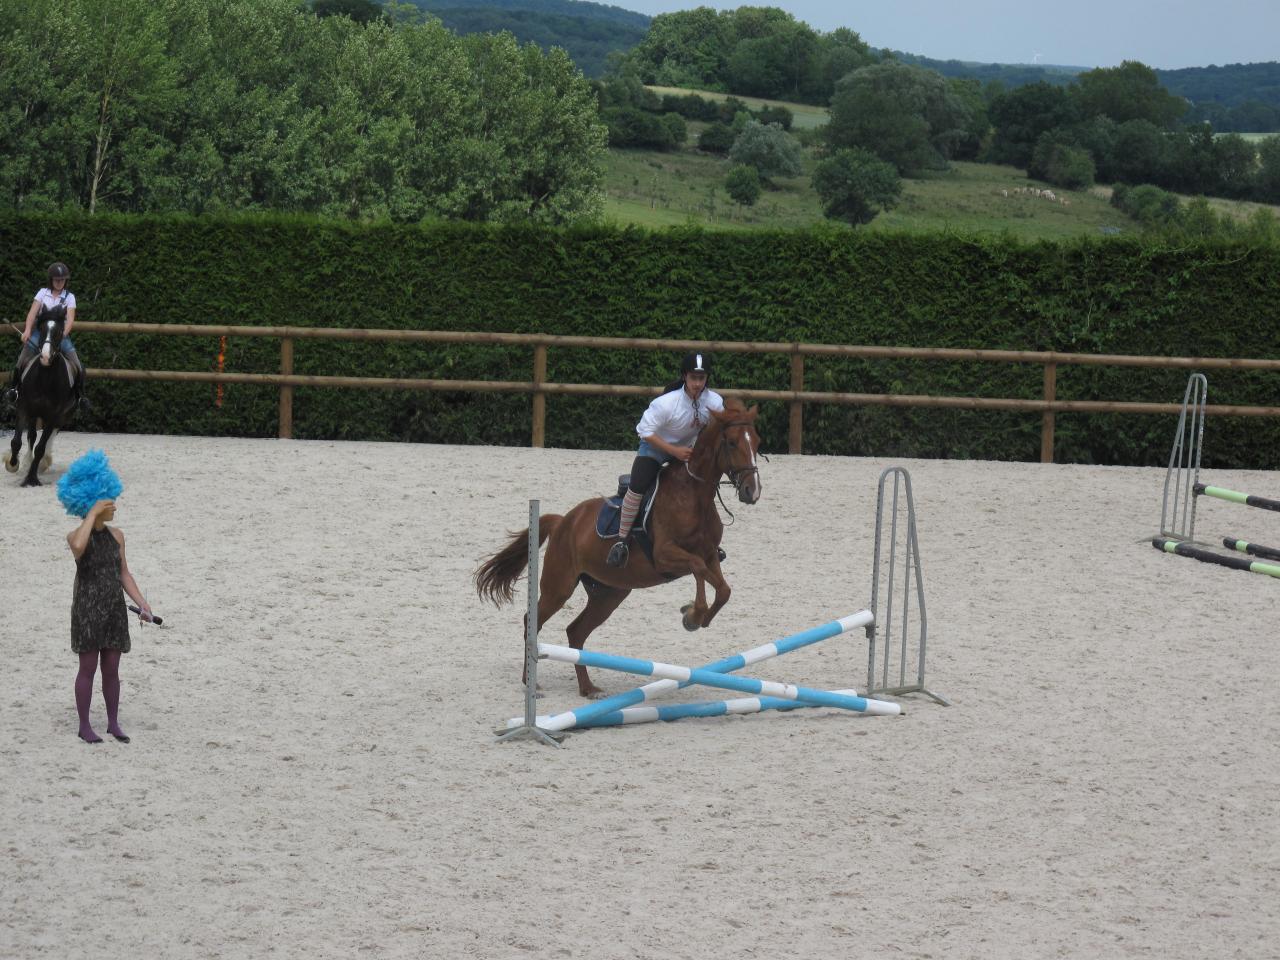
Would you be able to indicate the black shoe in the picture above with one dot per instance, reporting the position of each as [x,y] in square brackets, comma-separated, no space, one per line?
[617,555]
[723,556]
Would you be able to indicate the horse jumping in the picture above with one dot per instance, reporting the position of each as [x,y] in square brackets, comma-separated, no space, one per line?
[685,529]
[46,398]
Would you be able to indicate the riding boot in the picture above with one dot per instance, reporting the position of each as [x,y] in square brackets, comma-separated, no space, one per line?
[11,394]
[626,517]
[77,391]
[618,554]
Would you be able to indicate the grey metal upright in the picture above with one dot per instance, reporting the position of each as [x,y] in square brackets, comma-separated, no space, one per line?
[1178,509]
[530,727]
[880,678]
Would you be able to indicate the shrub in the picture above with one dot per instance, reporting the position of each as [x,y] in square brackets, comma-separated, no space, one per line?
[767,148]
[717,138]
[743,184]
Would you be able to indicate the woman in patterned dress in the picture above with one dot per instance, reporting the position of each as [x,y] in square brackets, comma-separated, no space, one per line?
[99,619]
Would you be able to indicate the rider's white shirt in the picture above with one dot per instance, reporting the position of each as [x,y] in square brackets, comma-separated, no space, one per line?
[50,299]
[675,418]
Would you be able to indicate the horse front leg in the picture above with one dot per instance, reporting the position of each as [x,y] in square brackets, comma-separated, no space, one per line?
[37,454]
[11,462]
[721,586]
[671,559]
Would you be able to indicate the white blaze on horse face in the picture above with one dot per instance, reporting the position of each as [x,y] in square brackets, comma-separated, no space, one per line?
[46,350]
[752,488]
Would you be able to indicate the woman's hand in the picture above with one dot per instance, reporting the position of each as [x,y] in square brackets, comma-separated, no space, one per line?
[144,612]
[101,507]
[682,453]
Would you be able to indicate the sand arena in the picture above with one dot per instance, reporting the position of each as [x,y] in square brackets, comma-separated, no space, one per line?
[312,772]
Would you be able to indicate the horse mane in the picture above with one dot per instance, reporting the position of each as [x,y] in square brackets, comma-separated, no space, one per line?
[734,408]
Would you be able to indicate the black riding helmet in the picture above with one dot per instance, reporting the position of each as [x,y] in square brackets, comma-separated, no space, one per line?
[59,271]
[696,362]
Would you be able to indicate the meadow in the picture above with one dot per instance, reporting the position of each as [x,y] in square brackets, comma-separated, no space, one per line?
[685,187]
[807,116]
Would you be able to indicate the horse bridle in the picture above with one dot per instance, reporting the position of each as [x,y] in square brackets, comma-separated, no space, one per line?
[737,475]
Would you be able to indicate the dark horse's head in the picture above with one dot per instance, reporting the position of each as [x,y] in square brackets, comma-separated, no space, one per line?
[737,447]
[49,327]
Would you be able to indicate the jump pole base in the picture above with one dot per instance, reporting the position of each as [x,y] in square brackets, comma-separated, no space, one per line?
[531,733]
[905,691]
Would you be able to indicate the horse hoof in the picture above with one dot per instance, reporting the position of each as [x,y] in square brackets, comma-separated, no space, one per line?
[11,465]
[32,482]
[688,624]
[46,462]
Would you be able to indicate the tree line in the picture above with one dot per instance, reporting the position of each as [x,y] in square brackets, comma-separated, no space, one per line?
[129,105]
[1119,125]
[750,51]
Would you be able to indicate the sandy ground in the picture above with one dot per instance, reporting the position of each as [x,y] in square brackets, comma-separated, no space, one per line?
[313,772]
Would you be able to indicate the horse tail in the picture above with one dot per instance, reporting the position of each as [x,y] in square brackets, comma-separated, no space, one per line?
[496,577]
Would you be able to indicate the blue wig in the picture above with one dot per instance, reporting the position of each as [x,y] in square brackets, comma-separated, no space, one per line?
[88,480]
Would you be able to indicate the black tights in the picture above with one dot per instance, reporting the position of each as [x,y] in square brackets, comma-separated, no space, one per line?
[110,691]
[644,470]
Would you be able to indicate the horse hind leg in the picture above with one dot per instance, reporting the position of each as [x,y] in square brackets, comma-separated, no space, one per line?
[553,593]
[47,460]
[11,461]
[601,602]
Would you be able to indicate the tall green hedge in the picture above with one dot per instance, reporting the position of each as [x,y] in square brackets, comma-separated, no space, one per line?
[819,286]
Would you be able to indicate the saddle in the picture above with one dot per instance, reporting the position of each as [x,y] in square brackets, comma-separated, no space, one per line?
[610,515]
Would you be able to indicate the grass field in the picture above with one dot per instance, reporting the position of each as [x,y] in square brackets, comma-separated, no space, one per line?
[653,189]
[805,115]
[1254,137]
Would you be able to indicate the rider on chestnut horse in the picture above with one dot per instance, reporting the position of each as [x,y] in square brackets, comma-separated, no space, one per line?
[667,432]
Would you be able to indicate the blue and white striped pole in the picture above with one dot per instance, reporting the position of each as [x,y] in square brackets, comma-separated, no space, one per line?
[583,715]
[710,678]
[711,708]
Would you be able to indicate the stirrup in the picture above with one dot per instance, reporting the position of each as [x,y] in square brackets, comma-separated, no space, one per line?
[11,395]
[721,554]
[618,554]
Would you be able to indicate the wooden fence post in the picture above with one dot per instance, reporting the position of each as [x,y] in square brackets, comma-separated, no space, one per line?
[1046,421]
[539,398]
[795,432]
[286,392]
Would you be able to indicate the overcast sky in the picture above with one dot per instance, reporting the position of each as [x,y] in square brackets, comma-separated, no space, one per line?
[1088,33]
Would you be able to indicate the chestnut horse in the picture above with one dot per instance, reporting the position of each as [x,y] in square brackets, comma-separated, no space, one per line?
[684,525]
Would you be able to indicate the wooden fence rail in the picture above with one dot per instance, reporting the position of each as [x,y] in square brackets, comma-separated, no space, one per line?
[539,387]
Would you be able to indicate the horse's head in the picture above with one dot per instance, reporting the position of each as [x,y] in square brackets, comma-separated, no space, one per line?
[49,327]
[738,447]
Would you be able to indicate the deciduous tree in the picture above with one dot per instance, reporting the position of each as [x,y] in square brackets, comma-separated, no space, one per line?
[855,186]
[906,115]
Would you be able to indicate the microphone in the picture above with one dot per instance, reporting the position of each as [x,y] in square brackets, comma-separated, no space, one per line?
[154,619]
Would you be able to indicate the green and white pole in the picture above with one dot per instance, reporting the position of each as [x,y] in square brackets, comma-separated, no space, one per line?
[1208,556]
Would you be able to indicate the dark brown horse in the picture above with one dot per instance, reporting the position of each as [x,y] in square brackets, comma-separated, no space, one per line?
[685,528]
[46,398]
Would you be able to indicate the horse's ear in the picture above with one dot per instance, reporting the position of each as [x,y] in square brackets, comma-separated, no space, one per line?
[751,413]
